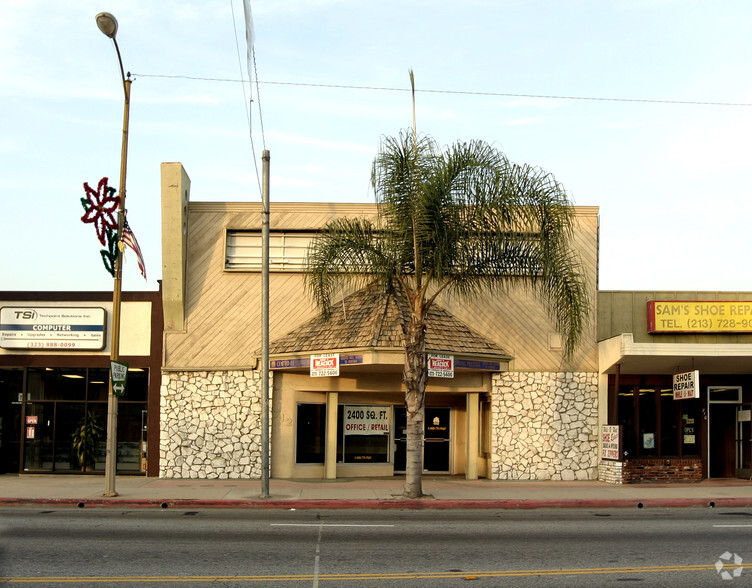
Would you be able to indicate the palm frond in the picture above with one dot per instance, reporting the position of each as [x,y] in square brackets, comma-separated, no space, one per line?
[463,219]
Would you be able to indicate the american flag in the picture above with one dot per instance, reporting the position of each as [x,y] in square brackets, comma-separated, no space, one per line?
[130,240]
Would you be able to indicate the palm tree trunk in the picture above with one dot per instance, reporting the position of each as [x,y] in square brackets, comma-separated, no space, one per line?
[414,378]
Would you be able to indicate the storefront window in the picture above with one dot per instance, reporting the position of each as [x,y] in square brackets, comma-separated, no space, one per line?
[311,433]
[689,413]
[365,433]
[627,420]
[669,422]
[647,423]
[56,384]
[99,385]
[656,425]
[11,428]
[66,419]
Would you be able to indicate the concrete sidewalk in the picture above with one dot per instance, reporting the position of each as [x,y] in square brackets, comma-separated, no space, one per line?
[441,491]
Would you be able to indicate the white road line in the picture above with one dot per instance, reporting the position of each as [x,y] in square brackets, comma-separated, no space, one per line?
[318,559]
[732,526]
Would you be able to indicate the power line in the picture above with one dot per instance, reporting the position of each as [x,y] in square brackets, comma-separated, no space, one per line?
[460,92]
[248,101]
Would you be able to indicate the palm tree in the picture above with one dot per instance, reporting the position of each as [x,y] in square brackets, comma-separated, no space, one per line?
[463,221]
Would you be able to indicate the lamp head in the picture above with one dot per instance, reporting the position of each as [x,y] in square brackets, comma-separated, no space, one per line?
[107,24]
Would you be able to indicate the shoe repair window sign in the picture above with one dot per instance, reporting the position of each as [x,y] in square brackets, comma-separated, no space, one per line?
[366,420]
[611,442]
[687,385]
[52,328]
[440,366]
[324,365]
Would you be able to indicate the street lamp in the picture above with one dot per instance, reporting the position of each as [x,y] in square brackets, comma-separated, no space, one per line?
[109,26]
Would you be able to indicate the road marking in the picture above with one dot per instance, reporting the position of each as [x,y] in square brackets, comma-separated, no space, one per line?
[365,576]
[721,526]
[321,525]
[317,559]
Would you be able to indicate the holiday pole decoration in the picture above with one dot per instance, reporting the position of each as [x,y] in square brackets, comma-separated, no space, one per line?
[100,207]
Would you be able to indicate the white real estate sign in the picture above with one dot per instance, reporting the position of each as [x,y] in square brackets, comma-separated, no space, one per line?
[52,328]
[324,364]
[440,366]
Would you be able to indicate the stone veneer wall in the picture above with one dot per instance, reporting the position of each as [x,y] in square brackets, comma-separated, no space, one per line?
[210,424]
[544,426]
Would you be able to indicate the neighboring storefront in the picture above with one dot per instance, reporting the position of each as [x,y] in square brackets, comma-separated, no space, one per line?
[500,402]
[54,374]
[676,385]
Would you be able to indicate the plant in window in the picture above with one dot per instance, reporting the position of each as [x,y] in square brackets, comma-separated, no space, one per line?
[84,439]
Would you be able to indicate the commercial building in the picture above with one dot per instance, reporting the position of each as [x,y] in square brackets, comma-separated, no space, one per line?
[676,379]
[54,370]
[659,390]
[500,403]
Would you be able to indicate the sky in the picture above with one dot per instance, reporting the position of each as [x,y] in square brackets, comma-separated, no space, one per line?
[641,108]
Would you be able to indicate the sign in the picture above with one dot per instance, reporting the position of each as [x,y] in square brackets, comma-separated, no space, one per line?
[688,431]
[440,366]
[51,329]
[366,420]
[611,442]
[687,385]
[324,365]
[32,420]
[119,375]
[699,316]
[478,366]
[305,362]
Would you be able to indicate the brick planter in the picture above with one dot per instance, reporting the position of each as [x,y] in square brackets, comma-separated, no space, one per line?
[662,470]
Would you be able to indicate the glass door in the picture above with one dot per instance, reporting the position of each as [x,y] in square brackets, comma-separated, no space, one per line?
[436,444]
[436,440]
[723,404]
[744,441]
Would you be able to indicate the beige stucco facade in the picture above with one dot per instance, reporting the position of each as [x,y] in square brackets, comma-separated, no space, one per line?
[520,414]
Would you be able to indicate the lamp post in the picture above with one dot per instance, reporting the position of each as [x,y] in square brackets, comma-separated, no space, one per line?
[109,26]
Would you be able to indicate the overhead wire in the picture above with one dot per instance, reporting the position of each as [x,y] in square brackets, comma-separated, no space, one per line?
[247,102]
[462,92]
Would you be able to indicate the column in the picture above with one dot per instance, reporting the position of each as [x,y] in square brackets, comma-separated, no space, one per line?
[473,428]
[330,455]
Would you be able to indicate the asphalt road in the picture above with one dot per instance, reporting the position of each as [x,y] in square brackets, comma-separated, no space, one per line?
[238,547]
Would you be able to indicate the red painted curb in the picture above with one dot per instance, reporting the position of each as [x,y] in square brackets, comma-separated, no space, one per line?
[271,503]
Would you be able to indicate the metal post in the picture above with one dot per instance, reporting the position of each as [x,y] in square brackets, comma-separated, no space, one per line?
[265,326]
[110,466]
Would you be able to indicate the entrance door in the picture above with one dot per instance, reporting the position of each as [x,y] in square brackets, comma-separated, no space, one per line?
[723,403]
[744,441]
[436,443]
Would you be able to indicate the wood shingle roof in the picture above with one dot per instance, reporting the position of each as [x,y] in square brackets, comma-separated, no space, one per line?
[370,318]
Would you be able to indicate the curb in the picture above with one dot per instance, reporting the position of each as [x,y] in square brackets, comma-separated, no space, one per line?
[287,504]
